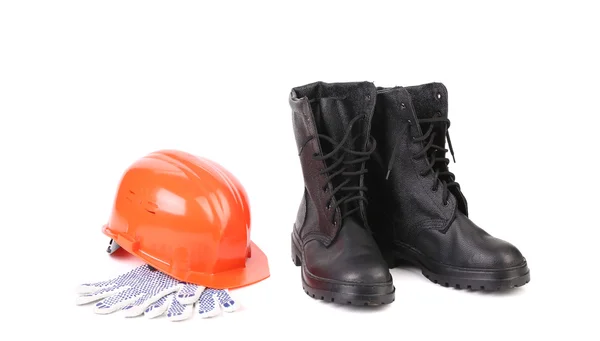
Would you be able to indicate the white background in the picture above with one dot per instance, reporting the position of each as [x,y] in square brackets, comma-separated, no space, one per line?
[86,88]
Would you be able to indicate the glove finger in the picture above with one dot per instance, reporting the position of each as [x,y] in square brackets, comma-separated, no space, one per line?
[159,307]
[114,303]
[91,288]
[138,307]
[228,304]
[178,311]
[208,306]
[88,288]
[189,293]
[99,294]
[125,278]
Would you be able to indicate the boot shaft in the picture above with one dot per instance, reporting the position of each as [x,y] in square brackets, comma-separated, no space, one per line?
[409,170]
[331,125]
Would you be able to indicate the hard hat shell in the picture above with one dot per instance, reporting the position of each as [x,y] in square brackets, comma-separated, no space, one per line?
[188,217]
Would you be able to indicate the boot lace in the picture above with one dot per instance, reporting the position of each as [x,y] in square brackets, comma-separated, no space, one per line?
[348,164]
[434,156]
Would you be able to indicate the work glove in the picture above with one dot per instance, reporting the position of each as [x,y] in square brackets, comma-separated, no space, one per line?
[152,293]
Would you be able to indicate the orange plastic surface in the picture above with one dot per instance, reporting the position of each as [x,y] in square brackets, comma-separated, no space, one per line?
[188,217]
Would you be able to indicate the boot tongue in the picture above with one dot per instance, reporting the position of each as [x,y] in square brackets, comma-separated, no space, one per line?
[334,105]
[430,100]
[336,111]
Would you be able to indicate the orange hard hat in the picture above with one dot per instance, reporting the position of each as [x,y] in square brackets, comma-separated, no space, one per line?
[188,217]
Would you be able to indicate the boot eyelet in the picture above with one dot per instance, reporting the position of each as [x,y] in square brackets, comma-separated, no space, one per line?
[438,95]
[434,189]
[402,106]
[445,203]
[328,207]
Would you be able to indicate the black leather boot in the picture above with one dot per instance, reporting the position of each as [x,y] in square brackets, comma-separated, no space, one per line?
[417,210]
[331,239]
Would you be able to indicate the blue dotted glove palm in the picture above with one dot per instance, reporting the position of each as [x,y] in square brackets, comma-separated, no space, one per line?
[152,293]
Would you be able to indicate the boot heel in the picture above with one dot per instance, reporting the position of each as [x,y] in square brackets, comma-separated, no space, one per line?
[296,257]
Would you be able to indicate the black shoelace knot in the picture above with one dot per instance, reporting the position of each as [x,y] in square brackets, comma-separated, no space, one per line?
[348,164]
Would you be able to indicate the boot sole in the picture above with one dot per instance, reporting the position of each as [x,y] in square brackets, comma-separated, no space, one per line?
[463,278]
[341,293]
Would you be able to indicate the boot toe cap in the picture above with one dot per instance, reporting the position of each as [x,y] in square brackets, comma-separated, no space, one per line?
[359,267]
[499,254]
[352,271]
[365,273]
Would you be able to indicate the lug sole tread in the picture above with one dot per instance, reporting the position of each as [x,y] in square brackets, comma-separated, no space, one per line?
[471,286]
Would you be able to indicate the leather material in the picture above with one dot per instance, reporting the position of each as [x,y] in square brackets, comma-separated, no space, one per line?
[321,226]
[353,258]
[417,207]
[429,100]
[406,208]
[466,245]
[333,250]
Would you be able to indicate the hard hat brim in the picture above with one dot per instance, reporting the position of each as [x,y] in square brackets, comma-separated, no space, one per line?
[256,269]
